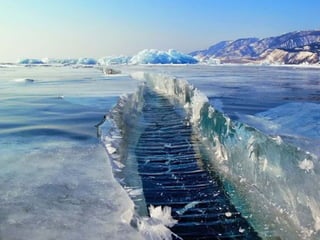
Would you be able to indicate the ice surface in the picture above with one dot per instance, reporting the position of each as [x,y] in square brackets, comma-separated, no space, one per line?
[47,180]
[294,119]
[56,180]
[297,122]
[50,192]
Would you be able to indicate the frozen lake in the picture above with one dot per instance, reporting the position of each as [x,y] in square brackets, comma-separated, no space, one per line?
[56,180]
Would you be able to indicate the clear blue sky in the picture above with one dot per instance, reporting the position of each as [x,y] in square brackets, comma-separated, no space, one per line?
[96,28]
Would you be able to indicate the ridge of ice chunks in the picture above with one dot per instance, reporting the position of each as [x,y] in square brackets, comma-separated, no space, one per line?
[146,56]
[62,61]
[150,56]
[153,56]
[30,61]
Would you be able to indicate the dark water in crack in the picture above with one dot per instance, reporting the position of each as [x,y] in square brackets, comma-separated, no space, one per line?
[173,174]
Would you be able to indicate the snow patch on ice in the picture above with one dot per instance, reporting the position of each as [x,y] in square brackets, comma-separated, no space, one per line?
[306,165]
[23,80]
[197,102]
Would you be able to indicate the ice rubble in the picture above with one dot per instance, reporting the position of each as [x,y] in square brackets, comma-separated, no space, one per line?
[30,61]
[63,61]
[152,56]
[87,61]
[146,56]
[54,61]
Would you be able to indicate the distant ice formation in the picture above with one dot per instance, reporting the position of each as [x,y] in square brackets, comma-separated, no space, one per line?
[154,56]
[30,61]
[87,61]
[147,56]
[63,61]
[208,60]
[114,60]
[58,61]
[150,56]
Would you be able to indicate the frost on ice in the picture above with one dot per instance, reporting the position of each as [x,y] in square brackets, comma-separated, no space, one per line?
[156,226]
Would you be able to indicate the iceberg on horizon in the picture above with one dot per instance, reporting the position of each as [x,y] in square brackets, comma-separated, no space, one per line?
[153,56]
[150,56]
[87,61]
[146,56]
[30,61]
[63,61]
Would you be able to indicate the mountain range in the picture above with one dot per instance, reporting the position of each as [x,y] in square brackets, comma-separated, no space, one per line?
[291,48]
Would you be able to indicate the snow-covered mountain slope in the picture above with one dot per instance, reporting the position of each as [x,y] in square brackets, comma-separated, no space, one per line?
[293,48]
